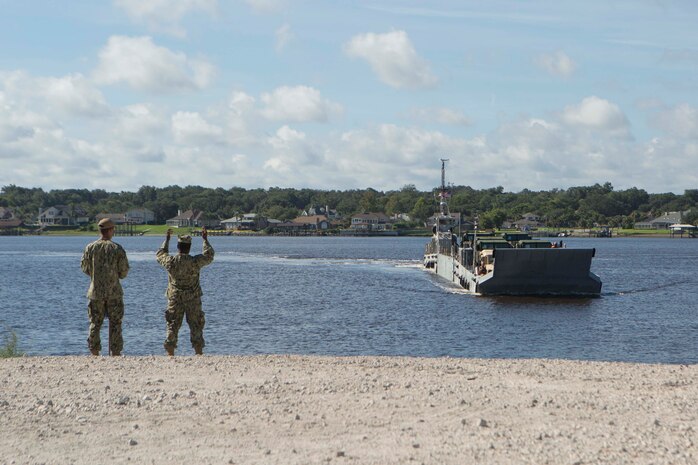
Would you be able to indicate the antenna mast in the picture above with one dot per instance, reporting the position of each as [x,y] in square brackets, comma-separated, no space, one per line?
[444,193]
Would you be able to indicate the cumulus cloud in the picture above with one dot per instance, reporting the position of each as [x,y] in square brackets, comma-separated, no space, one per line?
[557,64]
[440,115]
[145,66]
[284,35]
[192,128]
[298,104]
[597,114]
[165,15]
[393,58]
[72,95]
[679,121]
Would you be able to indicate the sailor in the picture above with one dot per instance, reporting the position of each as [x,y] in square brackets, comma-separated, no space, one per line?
[183,290]
[105,263]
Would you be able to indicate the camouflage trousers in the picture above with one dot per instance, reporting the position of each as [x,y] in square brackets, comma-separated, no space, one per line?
[177,307]
[114,311]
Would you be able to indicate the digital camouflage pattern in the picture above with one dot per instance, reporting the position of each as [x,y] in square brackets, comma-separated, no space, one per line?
[184,292]
[96,311]
[177,307]
[105,263]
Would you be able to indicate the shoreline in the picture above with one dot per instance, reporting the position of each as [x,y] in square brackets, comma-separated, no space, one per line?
[95,234]
[299,409]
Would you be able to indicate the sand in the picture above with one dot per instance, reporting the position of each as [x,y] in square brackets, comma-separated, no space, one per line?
[354,410]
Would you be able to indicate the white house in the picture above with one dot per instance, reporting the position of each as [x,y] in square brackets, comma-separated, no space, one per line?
[62,215]
[139,216]
[246,222]
[370,222]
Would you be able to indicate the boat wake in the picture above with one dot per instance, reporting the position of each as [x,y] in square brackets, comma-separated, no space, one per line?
[648,289]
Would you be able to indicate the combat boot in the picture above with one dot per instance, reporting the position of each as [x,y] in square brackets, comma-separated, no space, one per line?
[170,351]
[94,352]
[115,353]
[198,350]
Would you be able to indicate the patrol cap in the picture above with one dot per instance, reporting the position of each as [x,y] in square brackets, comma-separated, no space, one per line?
[105,223]
[186,239]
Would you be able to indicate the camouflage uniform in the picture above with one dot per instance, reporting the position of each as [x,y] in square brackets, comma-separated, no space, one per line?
[105,263]
[184,293]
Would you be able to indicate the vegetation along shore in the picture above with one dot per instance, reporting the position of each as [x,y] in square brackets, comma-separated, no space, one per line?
[406,211]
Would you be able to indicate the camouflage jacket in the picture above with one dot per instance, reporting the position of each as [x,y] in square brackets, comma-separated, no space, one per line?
[183,270]
[105,263]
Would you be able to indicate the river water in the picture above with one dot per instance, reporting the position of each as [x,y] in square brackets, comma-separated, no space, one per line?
[360,296]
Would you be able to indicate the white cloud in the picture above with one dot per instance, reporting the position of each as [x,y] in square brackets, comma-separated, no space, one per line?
[72,95]
[393,58]
[557,64]
[598,114]
[192,128]
[284,35]
[679,121]
[143,65]
[165,15]
[298,104]
[440,115]
[291,151]
[139,130]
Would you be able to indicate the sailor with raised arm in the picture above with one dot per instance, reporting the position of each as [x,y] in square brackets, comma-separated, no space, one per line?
[183,290]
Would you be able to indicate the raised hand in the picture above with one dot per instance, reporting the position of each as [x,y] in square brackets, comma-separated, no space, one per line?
[169,233]
[204,233]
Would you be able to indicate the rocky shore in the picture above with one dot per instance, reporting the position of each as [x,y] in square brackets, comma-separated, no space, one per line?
[354,410]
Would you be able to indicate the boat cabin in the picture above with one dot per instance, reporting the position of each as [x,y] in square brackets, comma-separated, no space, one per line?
[515,236]
[492,243]
[533,244]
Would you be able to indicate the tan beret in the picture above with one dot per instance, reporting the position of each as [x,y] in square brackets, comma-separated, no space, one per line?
[186,239]
[105,223]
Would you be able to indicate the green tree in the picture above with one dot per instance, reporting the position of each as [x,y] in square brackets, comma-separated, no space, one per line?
[421,211]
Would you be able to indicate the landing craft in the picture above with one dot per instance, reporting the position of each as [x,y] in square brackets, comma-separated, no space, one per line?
[507,264]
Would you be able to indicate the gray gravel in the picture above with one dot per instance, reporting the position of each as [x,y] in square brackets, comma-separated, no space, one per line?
[372,410]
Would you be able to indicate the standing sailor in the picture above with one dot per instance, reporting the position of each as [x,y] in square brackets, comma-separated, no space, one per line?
[183,290]
[105,263]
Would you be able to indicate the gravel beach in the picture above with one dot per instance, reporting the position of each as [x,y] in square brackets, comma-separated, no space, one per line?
[353,410]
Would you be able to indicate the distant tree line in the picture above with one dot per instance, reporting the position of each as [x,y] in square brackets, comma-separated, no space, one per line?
[582,206]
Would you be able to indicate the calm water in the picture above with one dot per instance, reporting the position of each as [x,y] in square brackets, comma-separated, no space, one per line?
[350,296]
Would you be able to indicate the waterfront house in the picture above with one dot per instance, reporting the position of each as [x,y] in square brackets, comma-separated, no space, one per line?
[6,213]
[370,222]
[315,222]
[10,226]
[288,227]
[140,216]
[192,219]
[246,222]
[63,215]
[661,222]
[315,210]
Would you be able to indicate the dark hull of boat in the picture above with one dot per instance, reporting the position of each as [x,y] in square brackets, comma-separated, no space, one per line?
[541,272]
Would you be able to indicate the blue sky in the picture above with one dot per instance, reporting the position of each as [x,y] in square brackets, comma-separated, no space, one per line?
[338,95]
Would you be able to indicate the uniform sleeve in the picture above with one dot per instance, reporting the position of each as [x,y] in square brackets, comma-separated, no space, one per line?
[86,262]
[163,254]
[206,257]
[123,264]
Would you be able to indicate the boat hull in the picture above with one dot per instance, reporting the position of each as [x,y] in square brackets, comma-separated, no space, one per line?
[540,272]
